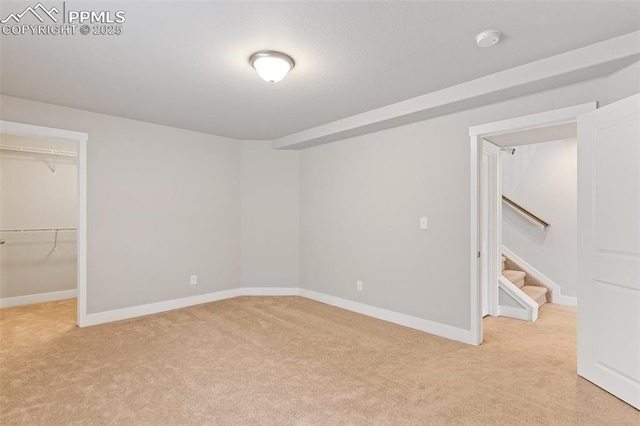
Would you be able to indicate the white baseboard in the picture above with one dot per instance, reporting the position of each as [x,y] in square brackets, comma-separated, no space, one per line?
[564,300]
[270,291]
[427,326]
[169,305]
[517,313]
[8,302]
[556,290]
[154,308]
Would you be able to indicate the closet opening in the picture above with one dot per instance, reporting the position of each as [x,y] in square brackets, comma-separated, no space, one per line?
[42,210]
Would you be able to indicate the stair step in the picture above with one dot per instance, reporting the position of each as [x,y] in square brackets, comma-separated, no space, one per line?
[516,277]
[504,259]
[539,294]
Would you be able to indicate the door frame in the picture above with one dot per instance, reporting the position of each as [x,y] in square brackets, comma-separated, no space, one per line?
[493,219]
[491,259]
[33,131]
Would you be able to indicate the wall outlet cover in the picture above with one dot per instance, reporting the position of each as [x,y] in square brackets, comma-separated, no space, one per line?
[424,223]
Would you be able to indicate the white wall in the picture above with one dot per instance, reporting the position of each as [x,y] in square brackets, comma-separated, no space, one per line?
[166,203]
[32,196]
[543,178]
[360,204]
[269,216]
[624,83]
[163,203]
[361,199]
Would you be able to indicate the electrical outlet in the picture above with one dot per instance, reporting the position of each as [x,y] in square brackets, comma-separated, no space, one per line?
[359,285]
[194,279]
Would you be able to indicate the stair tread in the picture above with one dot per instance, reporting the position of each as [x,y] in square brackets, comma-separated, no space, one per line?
[516,277]
[538,294]
[534,290]
[511,274]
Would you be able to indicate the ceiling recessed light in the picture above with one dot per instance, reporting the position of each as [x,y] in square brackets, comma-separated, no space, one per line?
[271,66]
[488,38]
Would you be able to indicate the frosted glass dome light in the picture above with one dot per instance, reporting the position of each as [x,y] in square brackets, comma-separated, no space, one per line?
[271,66]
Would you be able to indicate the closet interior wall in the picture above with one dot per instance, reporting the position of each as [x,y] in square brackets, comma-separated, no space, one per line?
[38,218]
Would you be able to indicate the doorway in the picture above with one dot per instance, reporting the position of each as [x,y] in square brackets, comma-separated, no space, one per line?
[486,259]
[64,148]
[535,187]
[608,335]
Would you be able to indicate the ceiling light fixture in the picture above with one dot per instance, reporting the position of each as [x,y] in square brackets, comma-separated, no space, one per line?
[488,38]
[271,66]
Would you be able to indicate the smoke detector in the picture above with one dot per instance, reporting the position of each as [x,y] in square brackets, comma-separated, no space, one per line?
[488,38]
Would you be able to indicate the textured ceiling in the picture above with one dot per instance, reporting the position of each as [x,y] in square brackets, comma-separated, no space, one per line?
[184,64]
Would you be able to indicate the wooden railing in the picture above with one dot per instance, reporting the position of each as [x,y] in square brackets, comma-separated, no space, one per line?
[526,213]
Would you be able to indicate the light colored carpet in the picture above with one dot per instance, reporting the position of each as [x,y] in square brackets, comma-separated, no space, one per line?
[288,361]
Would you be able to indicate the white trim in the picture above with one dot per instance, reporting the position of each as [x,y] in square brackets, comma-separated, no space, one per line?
[30,130]
[82,232]
[169,305]
[491,259]
[565,300]
[517,313]
[587,62]
[556,291]
[528,305]
[157,307]
[476,135]
[9,302]
[475,299]
[426,326]
[270,291]
[33,131]
[532,121]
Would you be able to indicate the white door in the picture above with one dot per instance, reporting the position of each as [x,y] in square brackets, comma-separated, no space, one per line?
[609,248]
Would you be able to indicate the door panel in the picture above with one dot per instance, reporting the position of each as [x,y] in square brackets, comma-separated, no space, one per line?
[617,209]
[619,310]
[609,248]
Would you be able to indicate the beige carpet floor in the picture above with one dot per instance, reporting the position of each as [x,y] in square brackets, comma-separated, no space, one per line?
[290,361]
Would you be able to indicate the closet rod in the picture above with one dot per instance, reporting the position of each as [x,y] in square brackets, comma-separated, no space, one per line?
[39,230]
[31,150]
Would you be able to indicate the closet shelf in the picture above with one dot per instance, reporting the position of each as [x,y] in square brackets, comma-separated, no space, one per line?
[39,230]
[54,152]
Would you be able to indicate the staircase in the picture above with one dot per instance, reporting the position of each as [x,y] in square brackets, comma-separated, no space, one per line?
[529,285]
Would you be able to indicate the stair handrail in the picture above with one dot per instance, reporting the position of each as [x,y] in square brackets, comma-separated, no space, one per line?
[544,224]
